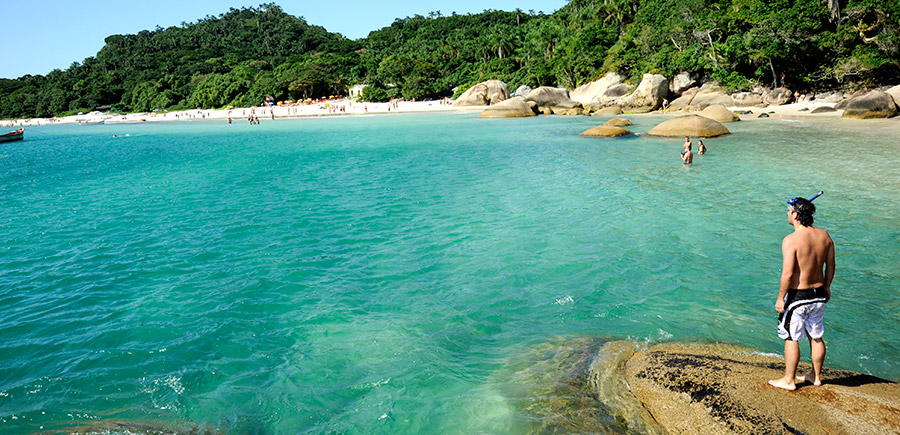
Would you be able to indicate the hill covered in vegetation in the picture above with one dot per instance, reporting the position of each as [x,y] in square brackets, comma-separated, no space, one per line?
[243,55]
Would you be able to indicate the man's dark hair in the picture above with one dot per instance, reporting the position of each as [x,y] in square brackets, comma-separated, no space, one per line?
[805,211]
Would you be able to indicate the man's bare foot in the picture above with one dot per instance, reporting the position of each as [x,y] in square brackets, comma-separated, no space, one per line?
[780,383]
[811,379]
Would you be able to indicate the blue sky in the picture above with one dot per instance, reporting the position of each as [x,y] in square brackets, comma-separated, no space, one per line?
[39,36]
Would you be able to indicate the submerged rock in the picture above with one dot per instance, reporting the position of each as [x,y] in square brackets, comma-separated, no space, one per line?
[689,125]
[577,386]
[511,108]
[875,104]
[702,389]
[483,94]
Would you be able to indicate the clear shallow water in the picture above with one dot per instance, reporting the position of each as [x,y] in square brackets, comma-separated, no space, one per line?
[386,273]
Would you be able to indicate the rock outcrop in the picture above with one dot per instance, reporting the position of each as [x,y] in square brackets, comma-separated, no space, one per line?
[689,125]
[613,94]
[746,99]
[779,96]
[683,82]
[617,122]
[609,111]
[591,92]
[511,108]
[523,91]
[483,94]
[547,96]
[895,94]
[648,95]
[875,104]
[605,131]
[684,101]
[823,109]
[704,99]
[718,112]
[703,389]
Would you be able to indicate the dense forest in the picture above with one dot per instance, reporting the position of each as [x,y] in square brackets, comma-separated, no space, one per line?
[243,55]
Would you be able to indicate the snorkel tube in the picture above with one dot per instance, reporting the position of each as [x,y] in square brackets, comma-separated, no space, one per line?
[791,201]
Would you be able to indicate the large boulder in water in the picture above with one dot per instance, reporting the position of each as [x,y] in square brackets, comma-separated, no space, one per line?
[523,91]
[704,99]
[718,112]
[649,94]
[689,125]
[591,92]
[605,131]
[778,97]
[511,108]
[719,389]
[547,96]
[875,104]
[483,94]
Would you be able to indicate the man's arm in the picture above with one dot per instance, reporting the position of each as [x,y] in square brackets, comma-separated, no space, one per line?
[789,261]
[829,269]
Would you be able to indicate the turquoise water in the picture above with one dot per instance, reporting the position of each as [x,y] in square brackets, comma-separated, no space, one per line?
[383,274]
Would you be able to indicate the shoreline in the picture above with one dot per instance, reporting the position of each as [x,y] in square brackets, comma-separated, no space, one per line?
[798,111]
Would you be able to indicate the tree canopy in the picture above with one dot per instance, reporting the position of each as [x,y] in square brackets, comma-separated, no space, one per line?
[243,55]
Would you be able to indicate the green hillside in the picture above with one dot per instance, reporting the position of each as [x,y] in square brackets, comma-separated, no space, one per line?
[241,56]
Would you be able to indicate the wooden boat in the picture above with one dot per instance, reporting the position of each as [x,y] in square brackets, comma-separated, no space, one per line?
[13,135]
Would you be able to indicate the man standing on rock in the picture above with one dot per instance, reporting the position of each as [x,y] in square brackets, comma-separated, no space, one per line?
[804,290]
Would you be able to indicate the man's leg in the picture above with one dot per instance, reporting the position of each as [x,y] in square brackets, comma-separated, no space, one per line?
[791,359]
[817,351]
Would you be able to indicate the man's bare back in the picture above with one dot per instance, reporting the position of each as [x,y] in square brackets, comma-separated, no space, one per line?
[805,251]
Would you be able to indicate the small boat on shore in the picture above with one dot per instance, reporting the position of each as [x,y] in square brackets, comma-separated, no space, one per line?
[13,135]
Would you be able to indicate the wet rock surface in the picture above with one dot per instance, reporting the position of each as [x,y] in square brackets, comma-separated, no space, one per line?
[699,389]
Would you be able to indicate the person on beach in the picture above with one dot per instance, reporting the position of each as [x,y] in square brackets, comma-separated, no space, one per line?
[701,149]
[803,292]
[687,156]
[687,144]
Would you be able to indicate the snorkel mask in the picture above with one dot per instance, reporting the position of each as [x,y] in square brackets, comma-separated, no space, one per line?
[793,200]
